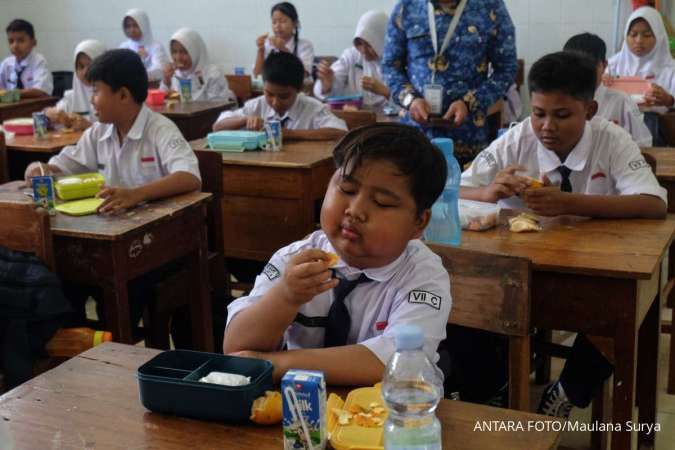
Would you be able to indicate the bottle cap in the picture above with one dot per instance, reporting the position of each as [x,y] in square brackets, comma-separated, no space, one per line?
[408,337]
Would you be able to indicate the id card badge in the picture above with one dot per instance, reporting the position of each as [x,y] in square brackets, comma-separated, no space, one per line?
[433,94]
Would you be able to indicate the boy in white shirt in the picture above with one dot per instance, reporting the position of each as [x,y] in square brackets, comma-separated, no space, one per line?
[613,105]
[301,117]
[142,154]
[325,313]
[590,167]
[25,70]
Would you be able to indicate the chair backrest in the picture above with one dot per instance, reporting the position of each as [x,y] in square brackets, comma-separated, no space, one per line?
[4,165]
[489,292]
[63,80]
[520,73]
[26,228]
[241,86]
[357,119]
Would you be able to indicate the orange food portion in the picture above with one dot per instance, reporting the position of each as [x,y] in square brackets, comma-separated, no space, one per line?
[534,183]
[267,410]
[332,259]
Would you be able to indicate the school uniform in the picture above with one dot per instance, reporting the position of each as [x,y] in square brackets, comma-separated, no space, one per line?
[351,67]
[78,99]
[155,57]
[29,73]
[619,108]
[153,148]
[207,80]
[413,289]
[305,53]
[605,161]
[306,114]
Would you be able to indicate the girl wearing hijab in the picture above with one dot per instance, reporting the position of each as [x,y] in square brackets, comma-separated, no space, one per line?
[191,62]
[286,38]
[136,25]
[75,109]
[358,69]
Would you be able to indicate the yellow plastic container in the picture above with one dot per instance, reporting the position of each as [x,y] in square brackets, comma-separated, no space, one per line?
[82,185]
[352,436]
[82,207]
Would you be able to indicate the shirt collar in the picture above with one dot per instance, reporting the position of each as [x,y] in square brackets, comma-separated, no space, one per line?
[24,62]
[291,114]
[379,274]
[577,158]
[136,131]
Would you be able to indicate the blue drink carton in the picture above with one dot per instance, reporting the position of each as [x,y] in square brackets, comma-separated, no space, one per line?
[40,125]
[304,410]
[43,193]
[185,90]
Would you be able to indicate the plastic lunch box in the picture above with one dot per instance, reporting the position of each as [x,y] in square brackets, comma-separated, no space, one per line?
[635,87]
[352,436]
[169,383]
[338,102]
[236,140]
[155,97]
[21,126]
[82,185]
[10,95]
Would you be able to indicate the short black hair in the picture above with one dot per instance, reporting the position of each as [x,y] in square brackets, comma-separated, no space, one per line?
[284,69]
[588,44]
[404,146]
[571,73]
[120,68]
[18,25]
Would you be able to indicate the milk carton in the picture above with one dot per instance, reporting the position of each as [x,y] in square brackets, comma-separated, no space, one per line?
[304,408]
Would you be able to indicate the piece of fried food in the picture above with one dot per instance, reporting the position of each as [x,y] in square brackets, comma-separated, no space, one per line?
[534,183]
[267,410]
[332,259]
[524,222]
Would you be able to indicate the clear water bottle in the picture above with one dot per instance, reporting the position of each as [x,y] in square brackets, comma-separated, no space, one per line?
[444,226]
[412,388]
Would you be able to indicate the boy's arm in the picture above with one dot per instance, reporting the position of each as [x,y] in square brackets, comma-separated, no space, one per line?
[43,83]
[230,123]
[322,134]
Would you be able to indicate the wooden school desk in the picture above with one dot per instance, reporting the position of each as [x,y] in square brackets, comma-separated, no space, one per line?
[22,150]
[195,119]
[270,198]
[665,170]
[108,252]
[602,278]
[25,108]
[91,401]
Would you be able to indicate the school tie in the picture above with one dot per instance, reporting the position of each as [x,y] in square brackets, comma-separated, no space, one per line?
[19,72]
[338,321]
[565,172]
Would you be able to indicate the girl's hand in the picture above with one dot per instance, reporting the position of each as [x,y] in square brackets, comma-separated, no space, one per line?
[657,96]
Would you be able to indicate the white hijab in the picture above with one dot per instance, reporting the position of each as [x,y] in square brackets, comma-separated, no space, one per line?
[81,97]
[659,60]
[371,28]
[143,21]
[196,48]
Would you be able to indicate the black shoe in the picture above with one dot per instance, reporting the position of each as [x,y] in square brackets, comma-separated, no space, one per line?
[501,398]
[554,402]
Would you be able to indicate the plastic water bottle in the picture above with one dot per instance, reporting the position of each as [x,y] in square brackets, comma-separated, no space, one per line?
[412,388]
[444,226]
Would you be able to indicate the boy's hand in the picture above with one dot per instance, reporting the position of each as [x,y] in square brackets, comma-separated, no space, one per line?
[326,75]
[307,275]
[658,96]
[548,201]
[55,115]
[254,123]
[420,110]
[79,123]
[117,199]
[506,184]
[276,358]
[168,72]
[375,86]
[457,112]
[260,41]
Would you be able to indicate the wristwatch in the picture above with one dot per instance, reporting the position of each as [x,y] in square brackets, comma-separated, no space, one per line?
[409,98]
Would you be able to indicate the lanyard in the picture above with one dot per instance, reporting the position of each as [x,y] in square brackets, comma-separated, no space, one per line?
[448,34]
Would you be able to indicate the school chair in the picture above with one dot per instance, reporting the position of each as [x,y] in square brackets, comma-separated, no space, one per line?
[25,228]
[174,291]
[4,165]
[357,119]
[492,293]
[241,86]
[667,126]
[63,80]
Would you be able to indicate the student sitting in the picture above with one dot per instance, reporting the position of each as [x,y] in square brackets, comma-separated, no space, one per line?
[191,62]
[301,117]
[74,110]
[358,69]
[376,207]
[613,105]
[142,154]
[590,167]
[25,70]
[136,26]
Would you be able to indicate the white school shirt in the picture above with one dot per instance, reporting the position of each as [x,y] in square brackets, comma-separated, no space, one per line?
[155,57]
[619,108]
[605,161]
[349,69]
[307,113]
[305,52]
[35,74]
[153,148]
[209,84]
[414,289]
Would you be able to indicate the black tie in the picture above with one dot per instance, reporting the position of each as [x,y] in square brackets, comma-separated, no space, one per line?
[19,81]
[565,172]
[338,321]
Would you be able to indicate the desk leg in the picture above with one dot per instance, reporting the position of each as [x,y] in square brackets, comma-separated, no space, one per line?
[116,302]
[519,372]
[648,357]
[671,369]
[200,306]
[625,351]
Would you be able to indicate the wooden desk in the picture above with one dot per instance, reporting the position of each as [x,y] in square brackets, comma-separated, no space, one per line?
[195,119]
[22,150]
[665,170]
[599,277]
[108,252]
[25,108]
[270,198]
[91,401]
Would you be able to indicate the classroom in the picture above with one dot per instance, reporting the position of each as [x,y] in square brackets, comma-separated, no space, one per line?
[360,224]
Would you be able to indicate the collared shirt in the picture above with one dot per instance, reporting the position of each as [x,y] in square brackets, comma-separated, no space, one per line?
[153,148]
[35,73]
[413,289]
[154,60]
[618,107]
[306,114]
[209,84]
[305,52]
[605,161]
